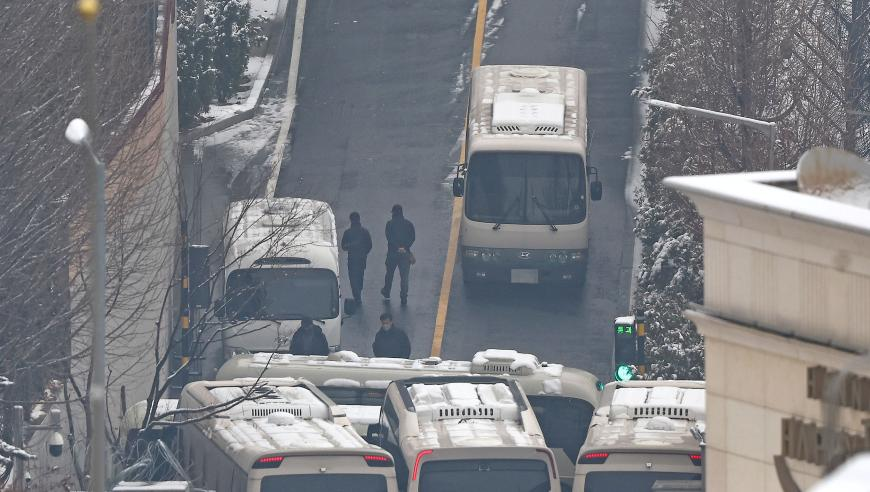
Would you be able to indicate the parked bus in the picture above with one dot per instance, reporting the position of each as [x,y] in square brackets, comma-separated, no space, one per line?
[284,434]
[526,180]
[465,433]
[642,434]
[281,265]
[563,398]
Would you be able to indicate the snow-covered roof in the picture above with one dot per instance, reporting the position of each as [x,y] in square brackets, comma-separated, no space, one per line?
[281,227]
[834,190]
[647,415]
[345,368]
[285,415]
[557,94]
[469,414]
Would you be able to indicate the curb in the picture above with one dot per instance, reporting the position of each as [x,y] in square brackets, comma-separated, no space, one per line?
[635,166]
[275,44]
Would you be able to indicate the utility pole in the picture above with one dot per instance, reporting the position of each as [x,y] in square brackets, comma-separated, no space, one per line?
[89,10]
[766,127]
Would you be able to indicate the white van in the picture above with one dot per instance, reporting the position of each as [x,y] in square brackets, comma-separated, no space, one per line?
[642,434]
[563,398]
[465,433]
[527,181]
[281,265]
[287,436]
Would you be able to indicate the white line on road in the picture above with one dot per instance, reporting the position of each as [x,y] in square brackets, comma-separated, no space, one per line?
[289,101]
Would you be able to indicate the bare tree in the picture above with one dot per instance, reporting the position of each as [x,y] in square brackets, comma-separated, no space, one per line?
[800,63]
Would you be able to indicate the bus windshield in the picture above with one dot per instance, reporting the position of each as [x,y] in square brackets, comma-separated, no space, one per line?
[357,482]
[526,188]
[281,293]
[485,476]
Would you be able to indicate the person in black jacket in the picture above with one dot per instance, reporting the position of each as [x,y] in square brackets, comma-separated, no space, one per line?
[309,339]
[391,341]
[357,241]
[400,236]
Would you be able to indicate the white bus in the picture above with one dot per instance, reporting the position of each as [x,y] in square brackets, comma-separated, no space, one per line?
[526,180]
[642,434]
[563,398]
[281,265]
[289,437]
[465,433]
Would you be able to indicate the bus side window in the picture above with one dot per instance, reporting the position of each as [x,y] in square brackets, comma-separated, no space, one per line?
[564,421]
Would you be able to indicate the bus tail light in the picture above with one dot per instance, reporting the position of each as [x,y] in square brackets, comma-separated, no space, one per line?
[378,460]
[420,456]
[593,458]
[269,462]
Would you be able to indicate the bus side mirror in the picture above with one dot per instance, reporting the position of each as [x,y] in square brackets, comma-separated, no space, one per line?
[458,186]
[595,189]
[373,434]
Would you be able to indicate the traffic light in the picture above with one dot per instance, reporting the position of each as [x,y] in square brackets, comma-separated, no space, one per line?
[629,345]
[624,372]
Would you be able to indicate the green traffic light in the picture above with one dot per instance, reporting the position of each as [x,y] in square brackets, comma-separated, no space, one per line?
[623,372]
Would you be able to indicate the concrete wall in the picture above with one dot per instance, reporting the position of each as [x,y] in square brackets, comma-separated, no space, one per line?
[755,380]
[786,288]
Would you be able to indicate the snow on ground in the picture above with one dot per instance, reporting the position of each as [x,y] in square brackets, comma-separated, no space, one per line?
[240,143]
[256,72]
[265,8]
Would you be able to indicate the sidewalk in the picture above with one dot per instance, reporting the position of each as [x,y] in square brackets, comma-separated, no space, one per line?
[246,102]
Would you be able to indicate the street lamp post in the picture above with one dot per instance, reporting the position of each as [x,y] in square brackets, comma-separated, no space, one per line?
[765,127]
[78,133]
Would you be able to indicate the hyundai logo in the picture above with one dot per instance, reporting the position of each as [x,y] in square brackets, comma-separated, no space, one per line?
[524,255]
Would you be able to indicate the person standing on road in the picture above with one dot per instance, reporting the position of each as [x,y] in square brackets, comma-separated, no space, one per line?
[357,241]
[391,341]
[400,237]
[309,339]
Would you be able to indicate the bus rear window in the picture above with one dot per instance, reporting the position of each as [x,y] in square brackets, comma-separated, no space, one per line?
[357,482]
[485,476]
[634,481]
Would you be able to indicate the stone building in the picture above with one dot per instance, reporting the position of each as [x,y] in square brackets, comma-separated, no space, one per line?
[785,320]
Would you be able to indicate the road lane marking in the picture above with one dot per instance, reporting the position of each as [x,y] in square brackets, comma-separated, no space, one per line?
[456,213]
[289,101]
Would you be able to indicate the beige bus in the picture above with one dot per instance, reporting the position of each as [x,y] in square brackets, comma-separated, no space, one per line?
[285,435]
[642,434]
[527,182]
[563,398]
[465,433]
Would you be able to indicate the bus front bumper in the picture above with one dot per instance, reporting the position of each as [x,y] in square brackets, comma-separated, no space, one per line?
[522,266]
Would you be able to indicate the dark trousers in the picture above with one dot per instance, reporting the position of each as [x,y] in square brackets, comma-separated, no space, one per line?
[403,262]
[356,269]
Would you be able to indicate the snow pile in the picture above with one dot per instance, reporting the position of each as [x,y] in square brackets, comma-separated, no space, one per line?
[362,414]
[342,383]
[345,356]
[552,386]
[286,432]
[469,400]
[835,174]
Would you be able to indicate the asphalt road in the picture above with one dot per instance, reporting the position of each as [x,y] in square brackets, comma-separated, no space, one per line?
[380,112]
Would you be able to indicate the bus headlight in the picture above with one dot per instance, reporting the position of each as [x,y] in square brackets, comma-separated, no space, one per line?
[566,256]
[471,253]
